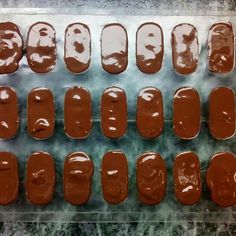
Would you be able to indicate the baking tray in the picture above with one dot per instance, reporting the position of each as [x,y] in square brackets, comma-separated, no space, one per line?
[132,144]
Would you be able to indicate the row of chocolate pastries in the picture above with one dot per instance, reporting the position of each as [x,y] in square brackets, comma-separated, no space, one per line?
[41,48]
[149,114]
[151,178]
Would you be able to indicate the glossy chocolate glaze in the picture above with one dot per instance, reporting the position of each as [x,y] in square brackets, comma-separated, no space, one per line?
[149,116]
[220,178]
[114,176]
[222,113]
[9,118]
[11,47]
[40,178]
[114,48]
[114,112]
[151,177]
[77,51]
[78,172]
[187,178]
[41,114]
[9,178]
[41,47]
[186,113]
[221,48]
[149,47]
[185,48]
[77,113]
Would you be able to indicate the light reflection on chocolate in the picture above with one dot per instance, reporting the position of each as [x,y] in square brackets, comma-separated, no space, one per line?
[149,47]
[114,177]
[114,48]
[220,178]
[11,47]
[9,118]
[221,48]
[77,53]
[78,172]
[151,177]
[41,47]
[185,48]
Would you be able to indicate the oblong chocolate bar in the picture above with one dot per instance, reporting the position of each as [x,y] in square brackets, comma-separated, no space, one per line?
[78,172]
[114,112]
[187,178]
[151,177]
[77,113]
[9,118]
[11,44]
[222,113]
[149,116]
[40,178]
[114,48]
[9,178]
[41,114]
[186,113]
[114,177]
[185,48]
[221,48]
[149,47]
[77,50]
[220,178]
[41,47]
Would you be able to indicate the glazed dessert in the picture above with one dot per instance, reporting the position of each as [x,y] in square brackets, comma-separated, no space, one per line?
[78,172]
[149,47]
[151,177]
[77,51]
[220,178]
[186,113]
[11,47]
[222,113]
[77,113]
[113,112]
[40,113]
[114,177]
[187,178]
[149,116]
[9,118]
[41,47]
[9,178]
[221,48]
[114,48]
[185,48]
[40,178]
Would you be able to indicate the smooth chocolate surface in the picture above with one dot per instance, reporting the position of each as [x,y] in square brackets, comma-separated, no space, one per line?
[9,178]
[11,47]
[186,113]
[114,48]
[114,176]
[9,118]
[222,113]
[221,48]
[149,47]
[77,51]
[187,178]
[41,114]
[41,47]
[78,172]
[185,48]
[114,112]
[40,178]
[151,177]
[77,113]
[149,116]
[220,178]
